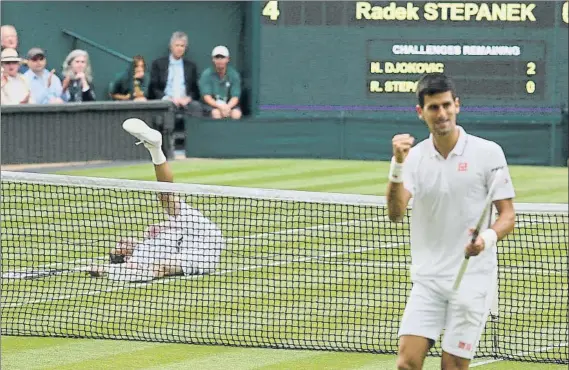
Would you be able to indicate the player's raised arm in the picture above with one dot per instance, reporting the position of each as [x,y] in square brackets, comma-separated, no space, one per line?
[397,195]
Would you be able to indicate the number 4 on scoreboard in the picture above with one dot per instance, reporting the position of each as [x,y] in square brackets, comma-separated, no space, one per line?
[271,10]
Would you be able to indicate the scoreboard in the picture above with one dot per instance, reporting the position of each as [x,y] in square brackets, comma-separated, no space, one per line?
[358,54]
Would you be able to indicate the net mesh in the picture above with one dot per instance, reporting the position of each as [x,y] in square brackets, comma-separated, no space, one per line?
[298,270]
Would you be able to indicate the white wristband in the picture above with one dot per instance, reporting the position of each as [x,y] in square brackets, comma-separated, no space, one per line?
[395,171]
[490,238]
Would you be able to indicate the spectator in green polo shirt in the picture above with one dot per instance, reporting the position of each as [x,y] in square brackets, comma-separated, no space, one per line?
[220,87]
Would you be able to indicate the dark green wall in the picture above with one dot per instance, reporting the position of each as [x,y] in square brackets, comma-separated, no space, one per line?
[128,27]
[539,141]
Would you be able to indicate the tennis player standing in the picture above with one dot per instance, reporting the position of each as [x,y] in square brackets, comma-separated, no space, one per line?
[448,176]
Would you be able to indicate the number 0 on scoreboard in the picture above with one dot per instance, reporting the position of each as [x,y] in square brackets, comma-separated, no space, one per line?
[271,10]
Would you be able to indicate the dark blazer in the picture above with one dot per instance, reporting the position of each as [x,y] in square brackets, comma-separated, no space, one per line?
[159,78]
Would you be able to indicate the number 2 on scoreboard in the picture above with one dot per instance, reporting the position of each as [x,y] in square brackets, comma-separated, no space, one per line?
[271,10]
[531,69]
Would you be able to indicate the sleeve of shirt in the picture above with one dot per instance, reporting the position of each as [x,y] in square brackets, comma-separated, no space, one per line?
[497,160]
[55,89]
[409,171]
[235,91]
[204,84]
[88,95]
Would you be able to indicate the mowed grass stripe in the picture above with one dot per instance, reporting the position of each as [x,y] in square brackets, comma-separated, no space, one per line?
[388,362]
[16,344]
[149,356]
[329,181]
[540,184]
[533,184]
[290,174]
[366,184]
[506,365]
[197,169]
[66,352]
[335,360]
[251,358]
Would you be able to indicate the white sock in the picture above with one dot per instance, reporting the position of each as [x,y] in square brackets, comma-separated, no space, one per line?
[157,155]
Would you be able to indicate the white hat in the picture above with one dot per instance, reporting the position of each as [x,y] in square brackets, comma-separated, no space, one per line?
[220,50]
[10,55]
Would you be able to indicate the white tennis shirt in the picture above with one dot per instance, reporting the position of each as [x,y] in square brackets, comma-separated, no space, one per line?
[189,238]
[448,199]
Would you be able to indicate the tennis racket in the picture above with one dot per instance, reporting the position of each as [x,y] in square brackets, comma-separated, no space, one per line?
[487,208]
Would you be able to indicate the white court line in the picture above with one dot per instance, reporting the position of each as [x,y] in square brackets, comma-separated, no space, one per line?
[527,353]
[189,277]
[229,240]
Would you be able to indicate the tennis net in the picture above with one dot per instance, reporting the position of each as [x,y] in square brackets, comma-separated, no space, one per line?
[297,270]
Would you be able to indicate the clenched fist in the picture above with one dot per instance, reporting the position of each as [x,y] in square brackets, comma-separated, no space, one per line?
[402,143]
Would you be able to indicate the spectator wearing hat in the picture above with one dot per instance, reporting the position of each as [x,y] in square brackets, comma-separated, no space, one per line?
[15,89]
[45,85]
[220,86]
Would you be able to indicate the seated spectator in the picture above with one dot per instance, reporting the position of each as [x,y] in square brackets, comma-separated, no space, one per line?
[175,78]
[15,89]
[9,37]
[133,83]
[78,78]
[45,85]
[220,86]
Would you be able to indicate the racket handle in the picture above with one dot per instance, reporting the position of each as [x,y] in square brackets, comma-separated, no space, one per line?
[475,234]
[460,273]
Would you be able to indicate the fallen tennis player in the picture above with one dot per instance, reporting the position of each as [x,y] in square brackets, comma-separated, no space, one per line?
[448,176]
[188,243]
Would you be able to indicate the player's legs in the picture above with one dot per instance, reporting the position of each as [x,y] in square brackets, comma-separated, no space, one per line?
[200,257]
[164,270]
[152,140]
[422,323]
[467,314]
[412,352]
[155,258]
[451,362]
[164,172]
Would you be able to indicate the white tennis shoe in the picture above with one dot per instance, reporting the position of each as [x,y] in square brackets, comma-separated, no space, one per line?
[139,129]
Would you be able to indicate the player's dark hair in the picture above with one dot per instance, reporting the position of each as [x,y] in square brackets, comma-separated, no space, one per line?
[434,83]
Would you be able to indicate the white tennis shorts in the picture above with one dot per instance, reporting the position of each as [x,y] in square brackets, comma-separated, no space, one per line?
[194,258]
[432,307]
